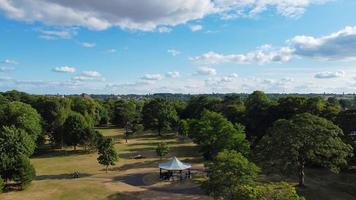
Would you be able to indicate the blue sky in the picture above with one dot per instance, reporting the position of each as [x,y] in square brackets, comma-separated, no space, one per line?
[180,46]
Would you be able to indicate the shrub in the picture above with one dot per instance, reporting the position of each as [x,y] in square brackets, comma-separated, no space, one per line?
[25,173]
[162,149]
[1,185]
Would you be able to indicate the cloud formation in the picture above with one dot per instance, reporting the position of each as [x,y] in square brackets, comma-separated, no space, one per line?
[152,77]
[6,69]
[142,15]
[173,74]
[329,75]
[64,69]
[173,52]
[10,62]
[340,45]
[206,71]
[88,45]
[196,27]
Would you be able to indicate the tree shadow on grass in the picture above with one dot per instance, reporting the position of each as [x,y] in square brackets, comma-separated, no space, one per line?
[60,153]
[136,165]
[61,176]
[124,196]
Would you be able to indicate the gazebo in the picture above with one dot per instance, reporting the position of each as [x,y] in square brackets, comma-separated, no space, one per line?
[172,166]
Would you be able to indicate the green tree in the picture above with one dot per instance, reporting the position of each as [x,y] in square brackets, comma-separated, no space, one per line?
[15,148]
[159,114]
[24,172]
[305,139]
[183,128]
[268,191]
[22,116]
[214,133]
[89,108]
[347,122]
[228,171]
[125,115]
[197,104]
[162,149]
[1,185]
[258,118]
[107,154]
[74,129]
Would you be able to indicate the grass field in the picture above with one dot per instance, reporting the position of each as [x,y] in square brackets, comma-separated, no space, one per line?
[138,179]
[54,169]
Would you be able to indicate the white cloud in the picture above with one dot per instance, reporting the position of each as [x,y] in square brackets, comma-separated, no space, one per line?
[196,27]
[10,62]
[6,69]
[88,45]
[91,74]
[173,52]
[64,69]
[5,79]
[261,55]
[336,46]
[164,29]
[173,74]
[329,75]
[229,78]
[142,15]
[340,45]
[152,77]
[206,71]
[65,33]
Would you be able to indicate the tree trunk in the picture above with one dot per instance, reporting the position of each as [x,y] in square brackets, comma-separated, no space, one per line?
[159,131]
[301,174]
[126,132]
[106,169]
[75,147]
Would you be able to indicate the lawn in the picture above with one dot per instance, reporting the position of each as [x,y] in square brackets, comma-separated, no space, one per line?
[54,171]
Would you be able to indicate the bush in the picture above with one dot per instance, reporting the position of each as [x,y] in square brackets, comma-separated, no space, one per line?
[25,173]
[275,191]
[1,185]
[162,149]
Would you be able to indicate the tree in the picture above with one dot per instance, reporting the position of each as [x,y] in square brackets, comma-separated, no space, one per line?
[24,172]
[15,148]
[197,104]
[89,108]
[74,129]
[162,149]
[267,191]
[54,112]
[347,122]
[125,114]
[1,185]
[305,139]
[159,114]
[107,154]
[183,128]
[22,116]
[214,133]
[258,118]
[228,171]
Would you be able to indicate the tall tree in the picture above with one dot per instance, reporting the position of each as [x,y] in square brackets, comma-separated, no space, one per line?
[227,172]
[159,114]
[74,129]
[214,133]
[125,115]
[22,116]
[305,139]
[107,154]
[162,149]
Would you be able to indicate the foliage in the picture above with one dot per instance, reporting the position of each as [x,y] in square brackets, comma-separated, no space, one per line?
[159,114]
[15,148]
[107,154]
[214,133]
[162,149]
[24,172]
[305,139]
[89,108]
[183,128]
[22,116]
[228,171]
[275,191]
[197,104]
[1,185]
[74,129]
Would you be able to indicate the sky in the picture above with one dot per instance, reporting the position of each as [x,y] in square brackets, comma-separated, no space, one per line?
[178,46]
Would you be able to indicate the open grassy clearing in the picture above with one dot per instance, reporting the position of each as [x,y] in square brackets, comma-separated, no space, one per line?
[123,181]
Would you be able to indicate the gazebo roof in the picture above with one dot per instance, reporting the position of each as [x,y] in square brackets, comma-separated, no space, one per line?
[174,164]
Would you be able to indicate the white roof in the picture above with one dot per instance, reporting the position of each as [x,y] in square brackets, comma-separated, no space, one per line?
[174,164]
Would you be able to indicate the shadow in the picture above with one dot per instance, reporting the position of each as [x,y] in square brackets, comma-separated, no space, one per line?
[61,176]
[193,190]
[60,153]
[124,196]
[132,179]
[145,164]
